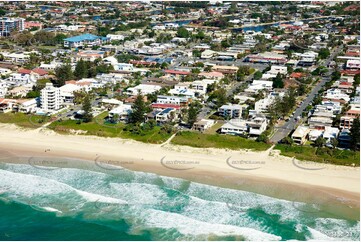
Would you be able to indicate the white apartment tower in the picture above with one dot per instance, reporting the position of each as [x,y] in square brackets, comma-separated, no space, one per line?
[50,98]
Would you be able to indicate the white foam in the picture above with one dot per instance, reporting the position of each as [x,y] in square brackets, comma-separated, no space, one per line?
[25,185]
[50,209]
[189,226]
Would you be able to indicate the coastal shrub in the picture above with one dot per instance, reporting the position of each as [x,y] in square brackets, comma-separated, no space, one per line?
[202,140]
[321,154]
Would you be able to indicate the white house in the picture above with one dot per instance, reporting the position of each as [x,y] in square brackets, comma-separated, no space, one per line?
[143,89]
[259,85]
[67,93]
[199,86]
[28,106]
[335,93]
[5,71]
[182,89]
[257,125]
[235,127]
[115,37]
[262,105]
[278,69]
[203,124]
[300,135]
[207,54]
[161,99]
[166,115]
[122,112]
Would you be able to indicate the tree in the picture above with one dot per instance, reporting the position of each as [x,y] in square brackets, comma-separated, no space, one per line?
[59,38]
[324,53]
[334,142]
[287,140]
[87,108]
[263,137]
[81,70]
[242,72]
[278,82]
[335,75]
[257,75]
[63,73]
[192,115]
[355,134]
[182,32]
[319,142]
[139,109]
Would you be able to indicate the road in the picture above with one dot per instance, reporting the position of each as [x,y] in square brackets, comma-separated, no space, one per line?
[291,124]
[76,108]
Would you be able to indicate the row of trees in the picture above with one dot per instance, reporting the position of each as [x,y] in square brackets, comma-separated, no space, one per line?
[42,37]
[83,69]
[282,106]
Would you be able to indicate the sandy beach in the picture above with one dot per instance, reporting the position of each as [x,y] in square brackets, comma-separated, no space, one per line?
[219,167]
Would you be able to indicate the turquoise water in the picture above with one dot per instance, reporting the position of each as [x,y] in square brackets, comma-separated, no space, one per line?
[102,204]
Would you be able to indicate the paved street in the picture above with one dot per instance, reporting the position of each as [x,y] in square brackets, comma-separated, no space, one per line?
[291,124]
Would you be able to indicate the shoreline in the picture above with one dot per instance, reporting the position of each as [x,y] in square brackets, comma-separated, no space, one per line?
[266,173]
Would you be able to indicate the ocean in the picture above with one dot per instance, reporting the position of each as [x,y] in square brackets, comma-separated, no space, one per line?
[93,203]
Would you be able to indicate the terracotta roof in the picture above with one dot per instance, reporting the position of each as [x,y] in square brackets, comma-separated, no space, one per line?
[39,71]
[160,105]
[297,75]
[24,71]
[175,72]
[352,53]
[350,72]
[211,74]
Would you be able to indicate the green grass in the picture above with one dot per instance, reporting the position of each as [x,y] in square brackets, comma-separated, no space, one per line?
[23,120]
[214,128]
[200,140]
[99,128]
[323,155]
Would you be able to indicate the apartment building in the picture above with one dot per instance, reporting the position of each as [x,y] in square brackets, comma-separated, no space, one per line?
[50,98]
[230,111]
[7,25]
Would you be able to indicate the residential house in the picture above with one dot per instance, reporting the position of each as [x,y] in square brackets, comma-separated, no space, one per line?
[257,125]
[143,89]
[120,113]
[182,89]
[299,136]
[203,124]
[235,127]
[166,115]
[258,85]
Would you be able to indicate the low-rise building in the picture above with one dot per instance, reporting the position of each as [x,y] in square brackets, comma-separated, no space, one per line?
[85,40]
[143,89]
[231,111]
[300,135]
[120,113]
[203,124]
[166,115]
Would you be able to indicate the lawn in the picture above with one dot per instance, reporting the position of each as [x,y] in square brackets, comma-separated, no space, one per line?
[214,128]
[200,140]
[323,155]
[99,128]
[24,120]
